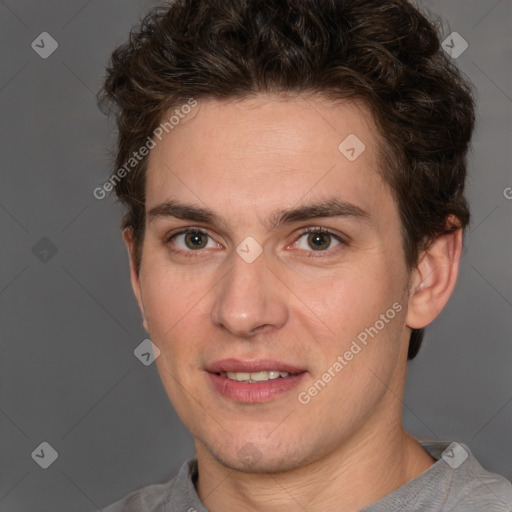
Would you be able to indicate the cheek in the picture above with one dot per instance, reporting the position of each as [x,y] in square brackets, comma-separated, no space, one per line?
[172,307]
[355,299]
[368,343]
[168,301]
[177,307]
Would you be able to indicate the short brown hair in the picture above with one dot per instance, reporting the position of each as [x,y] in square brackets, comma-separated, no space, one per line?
[385,52]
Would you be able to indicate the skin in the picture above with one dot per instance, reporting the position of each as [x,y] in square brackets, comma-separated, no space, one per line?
[244,160]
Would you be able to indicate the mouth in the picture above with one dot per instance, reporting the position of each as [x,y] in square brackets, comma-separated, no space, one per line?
[253,381]
[262,376]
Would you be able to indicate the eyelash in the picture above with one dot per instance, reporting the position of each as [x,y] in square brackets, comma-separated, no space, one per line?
[190,253]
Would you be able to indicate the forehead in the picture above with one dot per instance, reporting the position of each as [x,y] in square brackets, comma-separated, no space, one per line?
[272,125]
[263,152]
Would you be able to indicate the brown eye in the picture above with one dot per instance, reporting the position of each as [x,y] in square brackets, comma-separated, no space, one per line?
[196,240]
[318,240]
[189,240]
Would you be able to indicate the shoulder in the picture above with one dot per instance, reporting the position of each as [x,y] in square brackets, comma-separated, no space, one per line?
[479,489]
[489,492]
[157,497]
[151,498]
[472,488]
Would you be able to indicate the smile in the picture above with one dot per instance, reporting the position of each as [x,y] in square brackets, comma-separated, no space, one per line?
[255,376]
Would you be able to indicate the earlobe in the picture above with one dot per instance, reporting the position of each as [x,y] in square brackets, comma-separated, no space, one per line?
[134,275]
[434,279]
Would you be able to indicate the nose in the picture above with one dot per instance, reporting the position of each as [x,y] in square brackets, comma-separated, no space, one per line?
[251,299]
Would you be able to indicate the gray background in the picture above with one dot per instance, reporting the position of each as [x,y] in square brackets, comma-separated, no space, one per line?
[68,375]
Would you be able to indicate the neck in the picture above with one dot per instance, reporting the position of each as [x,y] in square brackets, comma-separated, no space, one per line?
[374,464]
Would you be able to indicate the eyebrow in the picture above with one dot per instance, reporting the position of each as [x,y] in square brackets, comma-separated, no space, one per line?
[328,208]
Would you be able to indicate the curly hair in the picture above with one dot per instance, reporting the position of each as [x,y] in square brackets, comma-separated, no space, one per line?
[386,53]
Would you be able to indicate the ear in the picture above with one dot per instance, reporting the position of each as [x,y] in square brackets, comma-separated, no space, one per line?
[134,275]
[434,278]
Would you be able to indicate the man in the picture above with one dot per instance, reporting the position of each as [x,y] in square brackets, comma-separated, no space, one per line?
[293,172]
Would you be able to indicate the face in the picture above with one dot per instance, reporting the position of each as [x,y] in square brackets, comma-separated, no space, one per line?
[291,278]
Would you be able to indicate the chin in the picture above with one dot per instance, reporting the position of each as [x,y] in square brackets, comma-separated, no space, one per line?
[259,458]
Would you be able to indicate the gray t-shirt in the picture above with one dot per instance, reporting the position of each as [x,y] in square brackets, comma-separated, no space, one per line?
[455,483]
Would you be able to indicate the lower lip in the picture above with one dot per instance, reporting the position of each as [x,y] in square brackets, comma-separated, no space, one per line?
[256,392]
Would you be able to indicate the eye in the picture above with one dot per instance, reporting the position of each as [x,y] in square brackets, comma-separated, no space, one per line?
[190,239]
[319,239]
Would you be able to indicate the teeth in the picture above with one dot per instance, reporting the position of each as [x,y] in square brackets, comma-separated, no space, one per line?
[259,376]
[254,377]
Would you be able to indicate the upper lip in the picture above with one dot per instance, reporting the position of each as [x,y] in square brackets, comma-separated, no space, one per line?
[236,365]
